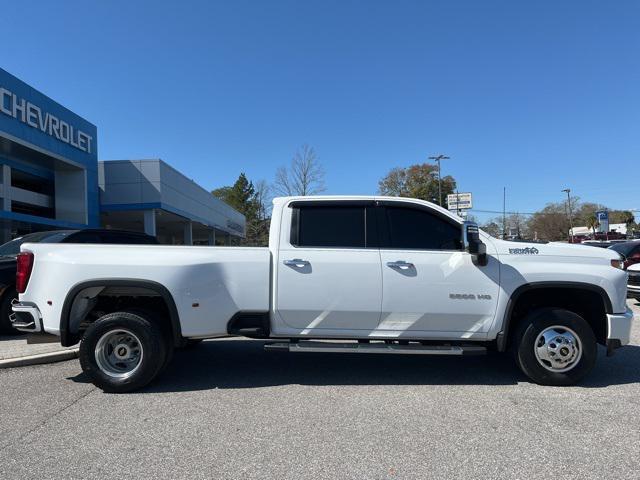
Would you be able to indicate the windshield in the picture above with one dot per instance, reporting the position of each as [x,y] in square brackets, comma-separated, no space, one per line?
[13,247]
[624,248]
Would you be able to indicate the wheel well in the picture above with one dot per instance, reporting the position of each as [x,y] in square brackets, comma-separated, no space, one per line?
[89,301]
[587,303]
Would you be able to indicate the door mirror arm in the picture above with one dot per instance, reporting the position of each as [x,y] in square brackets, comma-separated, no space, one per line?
[472,244]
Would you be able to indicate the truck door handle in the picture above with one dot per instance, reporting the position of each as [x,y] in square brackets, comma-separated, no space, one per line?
[401,264]
[296,262]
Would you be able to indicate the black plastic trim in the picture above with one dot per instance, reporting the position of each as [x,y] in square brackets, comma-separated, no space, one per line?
[294,236]
[503,336]
[612,345]
[67,339]
[258,319]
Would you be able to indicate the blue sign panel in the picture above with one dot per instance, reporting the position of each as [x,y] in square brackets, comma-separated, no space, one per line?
[603,221]
[34,118]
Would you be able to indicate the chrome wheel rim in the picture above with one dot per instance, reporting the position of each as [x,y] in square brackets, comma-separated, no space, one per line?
[119,353]
[558,349]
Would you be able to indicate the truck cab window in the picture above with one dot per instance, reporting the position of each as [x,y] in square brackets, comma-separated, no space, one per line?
[416,229]
[338,226]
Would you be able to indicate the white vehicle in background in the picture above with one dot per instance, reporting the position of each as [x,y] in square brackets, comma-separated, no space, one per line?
[341,274]
[633,287]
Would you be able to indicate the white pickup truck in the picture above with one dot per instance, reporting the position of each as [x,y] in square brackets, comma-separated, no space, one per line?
[341,274]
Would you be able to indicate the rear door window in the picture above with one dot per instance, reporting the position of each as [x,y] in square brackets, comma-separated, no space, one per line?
[329,226]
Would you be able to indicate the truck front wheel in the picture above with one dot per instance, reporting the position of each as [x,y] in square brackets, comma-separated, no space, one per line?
[122,351]
[555,347]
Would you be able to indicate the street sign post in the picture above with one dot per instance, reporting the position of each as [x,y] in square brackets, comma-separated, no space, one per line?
[457,202]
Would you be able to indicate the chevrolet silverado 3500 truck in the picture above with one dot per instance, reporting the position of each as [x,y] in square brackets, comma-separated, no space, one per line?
[341,274]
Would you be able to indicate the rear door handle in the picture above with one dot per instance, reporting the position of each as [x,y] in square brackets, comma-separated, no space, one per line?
[401,264]
[296,262]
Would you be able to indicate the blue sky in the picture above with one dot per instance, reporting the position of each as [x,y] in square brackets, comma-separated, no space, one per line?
[535,96]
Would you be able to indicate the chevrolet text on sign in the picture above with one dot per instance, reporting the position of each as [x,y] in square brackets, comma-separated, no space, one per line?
[32,115]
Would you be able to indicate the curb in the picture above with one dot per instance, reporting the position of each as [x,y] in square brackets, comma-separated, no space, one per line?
[40,358]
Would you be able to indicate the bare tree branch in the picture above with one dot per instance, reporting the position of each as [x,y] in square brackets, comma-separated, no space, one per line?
[305,175]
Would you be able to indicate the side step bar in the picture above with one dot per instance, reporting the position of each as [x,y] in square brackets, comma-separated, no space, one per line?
[412,349]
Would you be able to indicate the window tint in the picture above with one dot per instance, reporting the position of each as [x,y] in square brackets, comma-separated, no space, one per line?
[115,237]
[626,248]
[126,239]
[338,226]
[83,237]
[13,247]
[418,229]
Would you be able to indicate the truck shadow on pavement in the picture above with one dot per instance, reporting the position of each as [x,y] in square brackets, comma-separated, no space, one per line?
[244,364]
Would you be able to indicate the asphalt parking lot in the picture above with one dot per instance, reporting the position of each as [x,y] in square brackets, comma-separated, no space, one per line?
[229,410]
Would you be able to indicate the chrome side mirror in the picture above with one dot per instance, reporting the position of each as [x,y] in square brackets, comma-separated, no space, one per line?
[472,244]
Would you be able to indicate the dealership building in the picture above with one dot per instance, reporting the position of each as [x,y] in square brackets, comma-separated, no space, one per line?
[50,178]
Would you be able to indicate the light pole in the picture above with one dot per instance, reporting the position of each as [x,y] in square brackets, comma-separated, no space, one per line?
[438,158]
[568,192]
[504,213]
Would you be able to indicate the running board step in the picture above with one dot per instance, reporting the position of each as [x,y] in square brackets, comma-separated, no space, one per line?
[329,347]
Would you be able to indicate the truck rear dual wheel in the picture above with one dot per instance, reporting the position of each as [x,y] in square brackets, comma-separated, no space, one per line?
[123,351]
[555,347]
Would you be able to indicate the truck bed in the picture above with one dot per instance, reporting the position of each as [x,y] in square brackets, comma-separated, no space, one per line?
[208,284]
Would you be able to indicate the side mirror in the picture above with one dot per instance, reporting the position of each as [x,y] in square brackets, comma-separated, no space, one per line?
[471,243]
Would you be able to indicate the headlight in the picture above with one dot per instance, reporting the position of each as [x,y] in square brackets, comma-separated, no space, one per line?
[617,264]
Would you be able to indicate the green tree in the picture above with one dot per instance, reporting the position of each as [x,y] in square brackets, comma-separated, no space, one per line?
[240,195]
[416,181]
[592,223]
[621,216]
[583,211]
[551,223]
[246,199]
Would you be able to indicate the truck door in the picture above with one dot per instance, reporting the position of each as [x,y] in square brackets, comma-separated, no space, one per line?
[431,287]
[328,269]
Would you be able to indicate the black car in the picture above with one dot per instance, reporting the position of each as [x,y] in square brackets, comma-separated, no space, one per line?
[9,250]
[630,252]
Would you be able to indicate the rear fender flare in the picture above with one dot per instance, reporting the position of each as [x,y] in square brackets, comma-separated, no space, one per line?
[66,336]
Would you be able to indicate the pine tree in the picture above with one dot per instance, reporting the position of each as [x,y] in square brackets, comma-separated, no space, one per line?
[243,197]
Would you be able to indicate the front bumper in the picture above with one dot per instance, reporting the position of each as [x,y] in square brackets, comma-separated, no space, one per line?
[26,317]
[633,291]
[618,329]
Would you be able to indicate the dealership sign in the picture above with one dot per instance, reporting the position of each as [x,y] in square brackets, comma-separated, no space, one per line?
[459,201]
[34,116]
[603,221]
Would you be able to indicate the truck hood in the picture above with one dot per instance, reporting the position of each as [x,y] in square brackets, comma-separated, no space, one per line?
[504,247]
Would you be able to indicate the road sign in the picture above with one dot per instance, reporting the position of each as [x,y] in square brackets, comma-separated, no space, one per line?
[459,201]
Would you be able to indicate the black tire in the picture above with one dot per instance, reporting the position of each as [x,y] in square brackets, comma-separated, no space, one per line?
[152,351]
[5,310]
[529,341]
[170,350]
